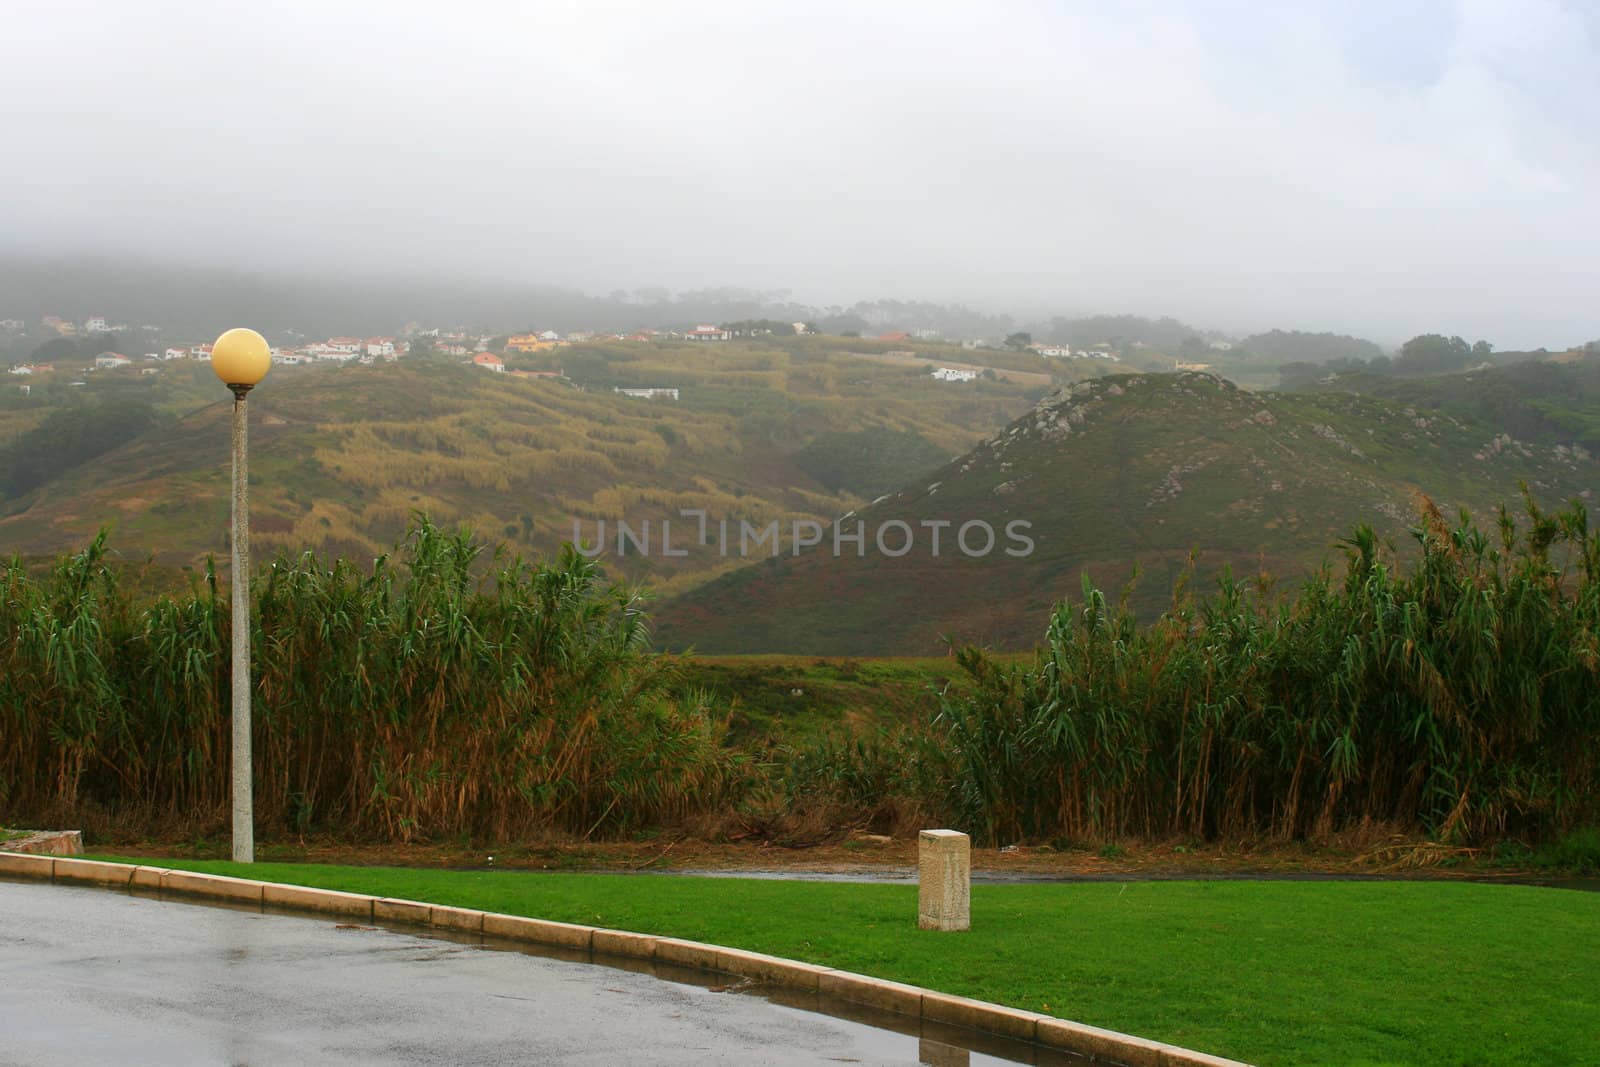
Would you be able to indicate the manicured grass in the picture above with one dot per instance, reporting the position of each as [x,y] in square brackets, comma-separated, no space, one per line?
[1270,972]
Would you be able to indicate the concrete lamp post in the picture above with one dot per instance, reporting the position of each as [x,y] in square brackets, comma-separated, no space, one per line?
[241,359]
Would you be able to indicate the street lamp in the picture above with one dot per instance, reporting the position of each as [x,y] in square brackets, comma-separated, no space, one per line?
[241,359]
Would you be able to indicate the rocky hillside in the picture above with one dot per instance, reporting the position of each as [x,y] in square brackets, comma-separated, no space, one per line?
[1130,470]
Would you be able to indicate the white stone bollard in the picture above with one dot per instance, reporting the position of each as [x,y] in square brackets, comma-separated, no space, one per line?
[944,880]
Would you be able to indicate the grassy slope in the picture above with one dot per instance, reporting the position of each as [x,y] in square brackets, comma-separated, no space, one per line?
[1132,468]
[1547,402]
[1269,972]
[342,455]
[789,698]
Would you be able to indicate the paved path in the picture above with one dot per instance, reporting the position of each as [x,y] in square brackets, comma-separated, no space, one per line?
[90,976]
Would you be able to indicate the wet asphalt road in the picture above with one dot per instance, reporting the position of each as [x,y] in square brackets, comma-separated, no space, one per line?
[90,976]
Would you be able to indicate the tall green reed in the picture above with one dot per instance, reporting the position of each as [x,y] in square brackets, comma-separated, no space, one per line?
[1459,695]
[436,692]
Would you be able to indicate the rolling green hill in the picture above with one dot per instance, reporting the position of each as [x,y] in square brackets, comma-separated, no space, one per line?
[341,456]
[1130,469]
[1108,472]
[1552,401]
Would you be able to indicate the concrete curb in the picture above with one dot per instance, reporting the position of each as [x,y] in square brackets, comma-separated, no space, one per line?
[809,977]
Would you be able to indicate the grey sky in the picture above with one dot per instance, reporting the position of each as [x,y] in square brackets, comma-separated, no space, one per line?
[1377,167]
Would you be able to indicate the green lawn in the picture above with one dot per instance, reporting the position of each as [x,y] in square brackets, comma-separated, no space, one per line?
[1270,972]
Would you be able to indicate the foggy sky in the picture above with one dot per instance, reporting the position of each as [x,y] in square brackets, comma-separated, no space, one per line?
[1388,170]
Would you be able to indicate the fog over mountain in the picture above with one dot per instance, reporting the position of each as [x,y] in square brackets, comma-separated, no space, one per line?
[1375,169]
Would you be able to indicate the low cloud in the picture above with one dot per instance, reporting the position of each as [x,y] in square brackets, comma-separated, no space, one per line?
[1237,165]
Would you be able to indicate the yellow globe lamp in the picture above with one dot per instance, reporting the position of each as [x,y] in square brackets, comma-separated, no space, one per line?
[241,357]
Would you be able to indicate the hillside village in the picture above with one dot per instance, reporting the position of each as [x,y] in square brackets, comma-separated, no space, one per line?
[480,349]
[56,353]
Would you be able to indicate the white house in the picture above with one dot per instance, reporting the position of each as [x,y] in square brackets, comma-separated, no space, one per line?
[96,324]
[381,346]
[950,374]
[706,332]
[549,335]
[201,352]
[489,361]
[21,368]
[175,353]
[1052,350]
[110,360]
[341,348]
[649,394]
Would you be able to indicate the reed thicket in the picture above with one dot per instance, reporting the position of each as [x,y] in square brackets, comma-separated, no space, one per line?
[438,693]
[1457,694]
[411,699]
